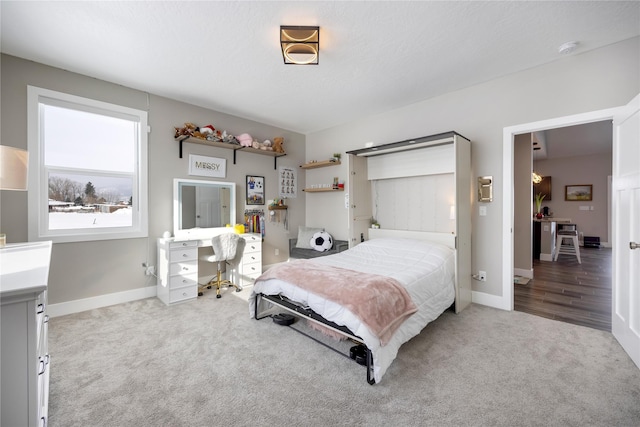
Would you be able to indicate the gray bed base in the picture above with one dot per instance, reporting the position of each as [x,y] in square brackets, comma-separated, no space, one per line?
[308,314]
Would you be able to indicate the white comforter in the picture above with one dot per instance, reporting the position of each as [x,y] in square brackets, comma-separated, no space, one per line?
[425,269]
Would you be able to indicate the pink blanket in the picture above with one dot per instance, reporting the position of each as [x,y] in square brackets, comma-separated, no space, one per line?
[380,302]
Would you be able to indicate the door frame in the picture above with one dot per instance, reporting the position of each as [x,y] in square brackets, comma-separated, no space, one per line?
[508,133]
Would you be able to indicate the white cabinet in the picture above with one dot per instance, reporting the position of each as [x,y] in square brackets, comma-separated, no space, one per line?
[177,270]
[430,158]
[24,328]
[251,265]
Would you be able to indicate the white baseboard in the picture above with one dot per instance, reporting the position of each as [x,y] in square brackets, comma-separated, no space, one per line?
[524,273]
[76,306]
[490,300]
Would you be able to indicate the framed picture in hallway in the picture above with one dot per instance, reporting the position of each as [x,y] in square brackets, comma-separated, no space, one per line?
[578,193]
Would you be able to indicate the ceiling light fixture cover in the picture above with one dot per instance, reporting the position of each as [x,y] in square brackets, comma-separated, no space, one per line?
[300,45]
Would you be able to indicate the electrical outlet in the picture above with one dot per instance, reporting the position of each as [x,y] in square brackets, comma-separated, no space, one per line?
[150,271]
[482,276]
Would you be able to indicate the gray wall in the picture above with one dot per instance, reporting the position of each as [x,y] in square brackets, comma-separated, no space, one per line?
[604,78]
[594,170]
[90,269]
[522,203]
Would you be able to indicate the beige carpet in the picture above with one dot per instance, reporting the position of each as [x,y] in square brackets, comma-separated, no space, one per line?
[206,363]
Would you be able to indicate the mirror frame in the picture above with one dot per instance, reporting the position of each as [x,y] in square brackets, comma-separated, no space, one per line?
[177,208]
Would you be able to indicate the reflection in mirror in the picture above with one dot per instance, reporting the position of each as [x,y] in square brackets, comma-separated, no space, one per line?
[202,206]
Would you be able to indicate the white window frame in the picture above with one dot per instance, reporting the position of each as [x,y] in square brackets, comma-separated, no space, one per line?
[38,192]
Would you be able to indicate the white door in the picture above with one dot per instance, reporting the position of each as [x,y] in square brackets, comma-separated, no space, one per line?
[626,232]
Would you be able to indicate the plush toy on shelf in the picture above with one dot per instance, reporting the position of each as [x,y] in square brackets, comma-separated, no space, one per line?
[186,130]
[245,139]
[277,144]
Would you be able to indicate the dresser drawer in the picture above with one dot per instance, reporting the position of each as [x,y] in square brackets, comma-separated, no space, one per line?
[251,270]
[252,238]
[185,244]
[183,254]
[183,294]
[182,268]
[252,247]
[181,281]
[252,257]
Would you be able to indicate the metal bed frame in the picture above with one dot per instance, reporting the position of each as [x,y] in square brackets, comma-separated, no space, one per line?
[306,313]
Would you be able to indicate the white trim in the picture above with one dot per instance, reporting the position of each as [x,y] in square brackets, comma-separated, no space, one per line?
[37,212]
[489,300]
[524,273]
[76,306]
[507,185]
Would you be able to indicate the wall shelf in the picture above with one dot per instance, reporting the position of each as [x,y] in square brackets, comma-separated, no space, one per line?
[228,146]
[321,164]
[321,190]
[278,208]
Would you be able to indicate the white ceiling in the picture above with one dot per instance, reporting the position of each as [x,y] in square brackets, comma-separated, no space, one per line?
[374,56]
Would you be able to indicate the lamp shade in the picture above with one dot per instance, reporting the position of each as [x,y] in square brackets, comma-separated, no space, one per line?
[13,168]
[300,45]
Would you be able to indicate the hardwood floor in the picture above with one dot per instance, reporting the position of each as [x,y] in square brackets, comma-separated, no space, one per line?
[570,292]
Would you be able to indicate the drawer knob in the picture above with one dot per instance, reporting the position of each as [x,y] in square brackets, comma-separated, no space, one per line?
[184,255]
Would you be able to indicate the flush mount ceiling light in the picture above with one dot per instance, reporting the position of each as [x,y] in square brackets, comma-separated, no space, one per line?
[300,45]
[567,48]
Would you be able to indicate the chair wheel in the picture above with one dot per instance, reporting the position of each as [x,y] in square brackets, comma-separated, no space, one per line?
[209,287]
[238,290]
[200,294]
[218,296]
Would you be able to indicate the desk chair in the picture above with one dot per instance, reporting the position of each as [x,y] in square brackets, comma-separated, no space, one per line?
[567,232]
[227,248]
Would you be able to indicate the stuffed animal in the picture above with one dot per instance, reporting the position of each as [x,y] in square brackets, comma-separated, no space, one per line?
[186,130]
[277,144]
[245,139]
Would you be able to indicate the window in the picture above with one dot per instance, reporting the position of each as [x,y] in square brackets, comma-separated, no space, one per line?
[87,169]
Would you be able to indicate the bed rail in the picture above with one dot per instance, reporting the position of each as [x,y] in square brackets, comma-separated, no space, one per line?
[307,313]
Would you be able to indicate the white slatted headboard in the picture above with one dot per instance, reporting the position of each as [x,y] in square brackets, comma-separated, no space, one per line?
[447,239]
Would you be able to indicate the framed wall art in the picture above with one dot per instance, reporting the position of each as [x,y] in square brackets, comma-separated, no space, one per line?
[255,190]
[578,193]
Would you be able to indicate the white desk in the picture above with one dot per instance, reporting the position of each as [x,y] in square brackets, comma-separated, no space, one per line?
[178,265]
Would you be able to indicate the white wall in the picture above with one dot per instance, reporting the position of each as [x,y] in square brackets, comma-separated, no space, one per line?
[604,78]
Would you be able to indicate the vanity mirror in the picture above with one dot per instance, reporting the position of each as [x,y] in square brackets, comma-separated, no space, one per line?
[199,207]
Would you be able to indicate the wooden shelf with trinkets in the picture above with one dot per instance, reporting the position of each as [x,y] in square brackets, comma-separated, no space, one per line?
[234,147]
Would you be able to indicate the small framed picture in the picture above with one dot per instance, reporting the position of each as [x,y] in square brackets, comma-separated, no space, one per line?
[255,190]
[578,193]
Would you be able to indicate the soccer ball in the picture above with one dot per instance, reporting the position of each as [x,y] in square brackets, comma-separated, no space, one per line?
[321,241]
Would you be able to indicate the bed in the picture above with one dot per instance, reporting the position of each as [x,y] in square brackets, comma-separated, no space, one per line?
[424,265]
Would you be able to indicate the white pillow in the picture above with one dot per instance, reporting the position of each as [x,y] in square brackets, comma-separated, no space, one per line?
[321,241]
[304,236]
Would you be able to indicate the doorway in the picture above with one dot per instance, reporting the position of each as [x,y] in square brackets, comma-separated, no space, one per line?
[564,290]
[507,300]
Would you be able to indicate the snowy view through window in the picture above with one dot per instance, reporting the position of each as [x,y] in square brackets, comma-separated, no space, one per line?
[89,202]
[90,170]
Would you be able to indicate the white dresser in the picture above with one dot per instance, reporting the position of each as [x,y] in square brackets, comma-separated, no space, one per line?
[177,270]
[178,266]
[251,265]
[24,273]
